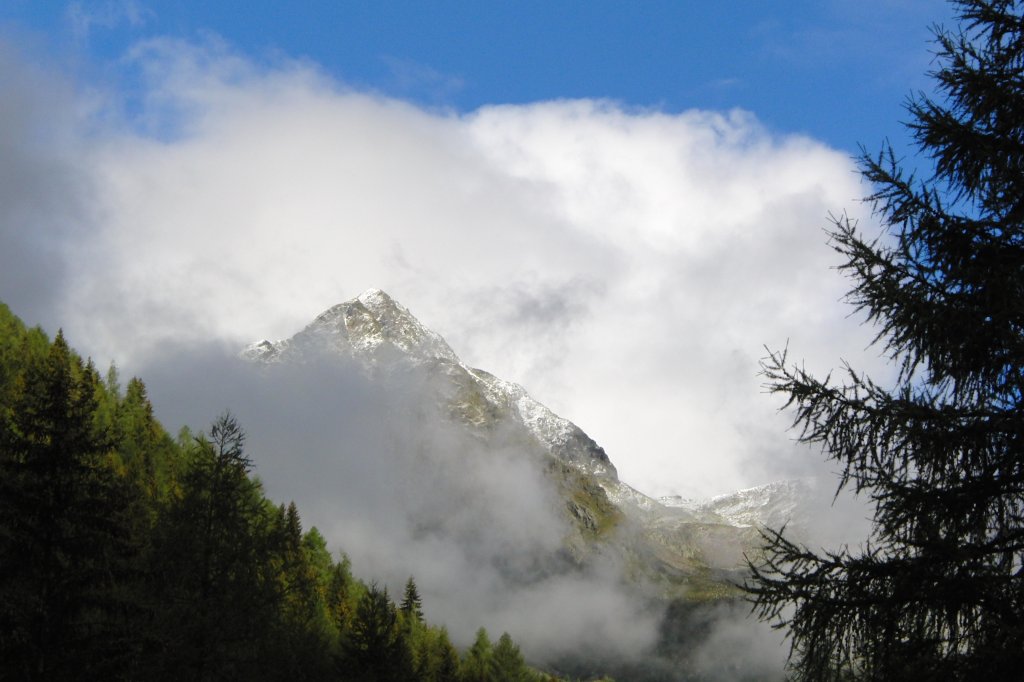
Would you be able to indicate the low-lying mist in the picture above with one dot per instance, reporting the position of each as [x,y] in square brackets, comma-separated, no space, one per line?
[402,490]
[368,462]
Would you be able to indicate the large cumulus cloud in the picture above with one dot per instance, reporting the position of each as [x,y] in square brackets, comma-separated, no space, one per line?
[626,265]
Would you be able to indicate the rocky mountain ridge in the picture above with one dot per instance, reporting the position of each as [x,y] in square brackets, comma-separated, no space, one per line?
[771,505]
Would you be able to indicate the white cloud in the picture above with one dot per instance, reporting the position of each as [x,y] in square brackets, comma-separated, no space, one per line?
[107,14]
[626,266]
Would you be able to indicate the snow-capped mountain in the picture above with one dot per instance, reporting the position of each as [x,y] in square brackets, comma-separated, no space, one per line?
[382,334]
[373,327]
[668,542]
[770,506]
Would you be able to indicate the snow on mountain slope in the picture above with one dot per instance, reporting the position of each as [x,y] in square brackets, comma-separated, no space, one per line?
[772,505]
[373,327]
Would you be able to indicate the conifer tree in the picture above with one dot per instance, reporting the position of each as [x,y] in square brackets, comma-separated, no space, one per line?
[18,346]
[299,581]
[213,567]
[341,595]
[412,605]
[938,591]
[476,665]
[508,664]
[301,644]
[150,458]
[447,667]
[376,650]
[64,543]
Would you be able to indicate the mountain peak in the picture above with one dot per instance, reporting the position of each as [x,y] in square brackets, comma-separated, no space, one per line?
[375,299]
[381,334]
[373,326]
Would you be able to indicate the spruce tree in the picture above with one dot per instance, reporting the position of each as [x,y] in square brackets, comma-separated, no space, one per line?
[213,567]
[412,605]
[376,649]
[938,591]
[302,643]
[65,547]
[507,662]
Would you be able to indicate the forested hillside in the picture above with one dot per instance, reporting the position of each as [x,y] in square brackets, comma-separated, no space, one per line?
[126,553]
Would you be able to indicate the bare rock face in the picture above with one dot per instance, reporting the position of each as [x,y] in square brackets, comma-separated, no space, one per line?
[673,546]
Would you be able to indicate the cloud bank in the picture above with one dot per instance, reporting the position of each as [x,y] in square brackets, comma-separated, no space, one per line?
[377,470]
[626,266]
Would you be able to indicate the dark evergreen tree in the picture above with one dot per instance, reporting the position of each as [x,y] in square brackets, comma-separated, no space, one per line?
[142,444]
[138,447]
[314,546]
[299,581]
[213,567]
[376,650]
[342,595]
[64,544]
[412,605]
[446,668]
[301,647]
[938,592]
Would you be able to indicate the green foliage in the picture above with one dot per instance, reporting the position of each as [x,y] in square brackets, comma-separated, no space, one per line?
[304,635]
[64,538]
[412,605]
[939,591]
[476,664]
[507,663]
[444,659]
[211,563]
[343,595]
[128,554]
[376,649]
[19,346]
[142,444]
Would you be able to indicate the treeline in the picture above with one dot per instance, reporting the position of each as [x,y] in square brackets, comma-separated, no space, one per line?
[128,554]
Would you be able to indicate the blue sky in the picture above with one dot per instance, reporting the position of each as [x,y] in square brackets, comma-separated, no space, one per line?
[837,70]
[616,204]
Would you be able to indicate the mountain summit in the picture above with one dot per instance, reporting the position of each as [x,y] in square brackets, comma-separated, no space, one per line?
[381,334]
[372,326]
